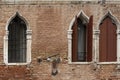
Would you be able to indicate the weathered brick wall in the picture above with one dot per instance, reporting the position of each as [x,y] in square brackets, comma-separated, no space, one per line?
[14,73]
[49,24]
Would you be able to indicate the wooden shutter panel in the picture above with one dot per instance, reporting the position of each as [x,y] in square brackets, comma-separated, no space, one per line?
[103,41]
[74,40]
[112,41]
[89,39]
[108,41]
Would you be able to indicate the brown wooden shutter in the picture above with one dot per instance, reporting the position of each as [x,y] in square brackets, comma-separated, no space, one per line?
[74,40]
[108,41]
[112,41]
[103,41]
[89,39]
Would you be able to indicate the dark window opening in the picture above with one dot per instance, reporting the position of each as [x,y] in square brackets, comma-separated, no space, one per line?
[81,41]
[17,41]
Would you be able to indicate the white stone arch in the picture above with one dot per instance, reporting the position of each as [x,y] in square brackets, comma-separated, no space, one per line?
[85,19]
[96,40]
[29,40]
[80,15]
[21,17]
[109,14]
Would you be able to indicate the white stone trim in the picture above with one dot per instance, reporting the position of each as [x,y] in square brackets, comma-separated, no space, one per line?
[82,15]
[116,21]
[80,63]
[107,62]
[29,40]
[96,44]
[109,13]
[118,46]
[69,46]
[6,48]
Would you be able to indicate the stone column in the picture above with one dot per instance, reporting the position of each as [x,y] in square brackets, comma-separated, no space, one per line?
[29,40]
[96,45]
[6,48]
[96,48]
[118,49]
[69,36]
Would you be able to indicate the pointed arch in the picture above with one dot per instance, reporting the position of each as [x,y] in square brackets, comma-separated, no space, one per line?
[19,23]
[80,15]
[77,39]
[111,16]
[20,16]
[83,16]
[108,41]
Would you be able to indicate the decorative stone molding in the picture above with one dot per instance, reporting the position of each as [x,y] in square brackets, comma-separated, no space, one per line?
[85,19]
[96,39]
[116,22]
[96,32]
[29,40]
[69,34]
[118,49]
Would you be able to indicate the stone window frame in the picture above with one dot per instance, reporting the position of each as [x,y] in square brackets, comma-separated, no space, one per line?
[69,36]
[96,39]
[29,40]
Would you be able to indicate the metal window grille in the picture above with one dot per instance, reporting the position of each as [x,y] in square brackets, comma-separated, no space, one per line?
[17,41]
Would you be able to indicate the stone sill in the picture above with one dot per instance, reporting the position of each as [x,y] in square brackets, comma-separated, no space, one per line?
[16,63]
[108,63]
[84,63]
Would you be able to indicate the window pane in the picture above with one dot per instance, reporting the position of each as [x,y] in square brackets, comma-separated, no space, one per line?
[81,42]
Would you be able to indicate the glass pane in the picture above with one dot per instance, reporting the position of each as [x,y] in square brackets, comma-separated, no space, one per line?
[81,41]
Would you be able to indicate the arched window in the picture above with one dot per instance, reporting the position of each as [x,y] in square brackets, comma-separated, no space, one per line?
[108,40]
[17,41]
[80,45]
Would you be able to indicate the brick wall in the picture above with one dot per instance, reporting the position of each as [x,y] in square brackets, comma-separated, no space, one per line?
[49,24]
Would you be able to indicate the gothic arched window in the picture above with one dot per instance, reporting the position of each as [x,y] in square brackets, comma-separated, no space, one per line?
[82,39]
[108,41]
[17,41]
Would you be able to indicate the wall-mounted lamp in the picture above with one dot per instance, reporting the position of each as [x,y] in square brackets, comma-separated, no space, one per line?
[54,59]
[55,66]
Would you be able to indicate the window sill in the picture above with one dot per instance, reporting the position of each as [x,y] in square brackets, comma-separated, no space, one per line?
[16,63]
[108,63]
[80,63]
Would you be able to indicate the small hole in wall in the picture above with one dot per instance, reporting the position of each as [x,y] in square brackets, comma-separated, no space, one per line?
[94,69]
[39,60]
[73,69]
[82,5]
